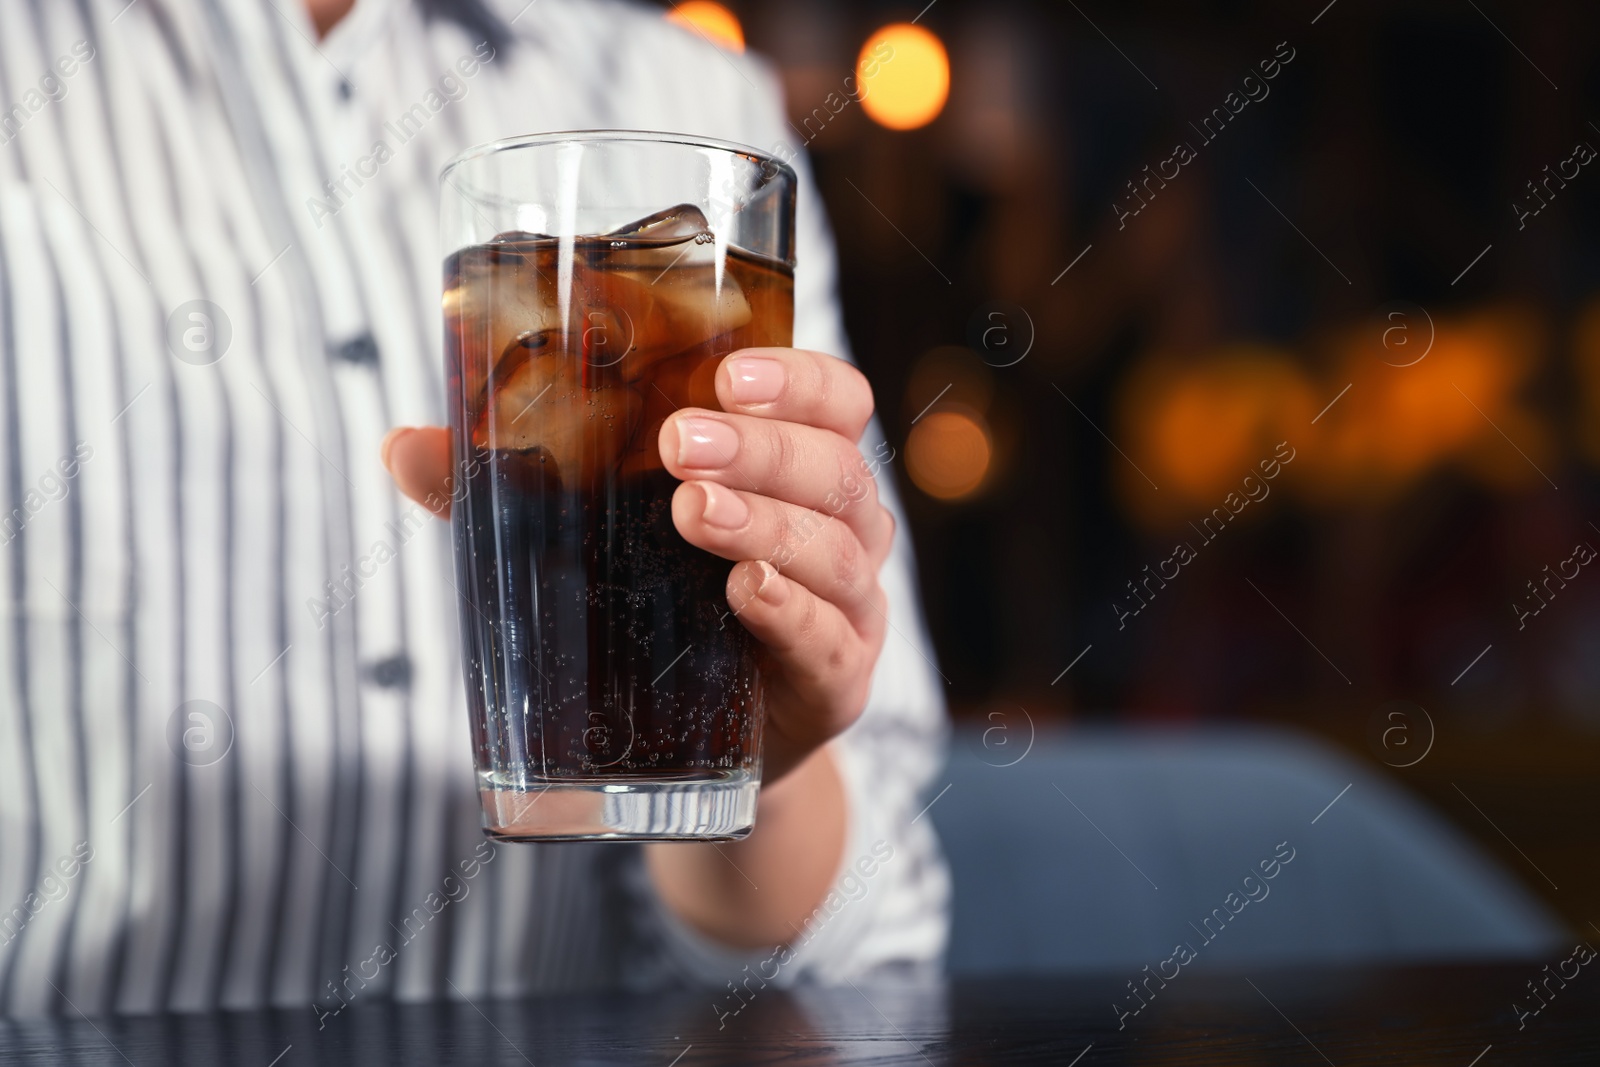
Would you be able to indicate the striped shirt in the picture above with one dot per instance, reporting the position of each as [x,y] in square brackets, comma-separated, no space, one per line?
[215,299]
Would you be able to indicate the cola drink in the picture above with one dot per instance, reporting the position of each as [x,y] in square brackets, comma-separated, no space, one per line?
[600,651]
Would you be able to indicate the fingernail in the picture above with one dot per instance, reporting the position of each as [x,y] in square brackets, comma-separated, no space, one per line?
[724,509]
[389,442]
[774,587]
[706,444]
[756,381]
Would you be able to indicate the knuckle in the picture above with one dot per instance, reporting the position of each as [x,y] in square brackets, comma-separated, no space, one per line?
[839,393]
[862,392]
[846,559]
[791,535]
[824,383]
[784,457]
[856,490]
[876,618]
[858,402]
[840,658]
[809,624]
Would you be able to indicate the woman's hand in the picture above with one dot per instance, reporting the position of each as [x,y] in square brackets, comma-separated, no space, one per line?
[775,483]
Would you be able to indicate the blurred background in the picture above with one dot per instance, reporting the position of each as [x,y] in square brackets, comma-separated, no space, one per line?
[1242,364]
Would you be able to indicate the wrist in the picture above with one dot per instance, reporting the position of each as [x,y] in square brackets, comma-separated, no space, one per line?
[760,891]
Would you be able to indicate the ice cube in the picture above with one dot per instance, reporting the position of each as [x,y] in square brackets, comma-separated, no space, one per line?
[670,226]
[501,295]
[674,310]
[540,402]
[659,274]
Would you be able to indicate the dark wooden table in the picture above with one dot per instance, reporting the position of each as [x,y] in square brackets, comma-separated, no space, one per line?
[1456,1016]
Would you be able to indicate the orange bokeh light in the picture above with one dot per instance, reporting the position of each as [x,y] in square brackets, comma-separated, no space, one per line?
[948,454]
[1451,406]
[1368,429]
[1197,426]
[904,76]
[710,20]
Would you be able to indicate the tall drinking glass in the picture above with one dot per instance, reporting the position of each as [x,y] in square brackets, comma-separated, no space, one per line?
[597,279]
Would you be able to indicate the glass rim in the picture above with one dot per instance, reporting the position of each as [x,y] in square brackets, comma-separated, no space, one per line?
[535,140]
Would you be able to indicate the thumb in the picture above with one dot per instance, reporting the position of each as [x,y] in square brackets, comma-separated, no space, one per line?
[418,459]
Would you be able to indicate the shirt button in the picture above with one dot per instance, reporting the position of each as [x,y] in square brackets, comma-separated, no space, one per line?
[361,350]
[391,673]
[346,90]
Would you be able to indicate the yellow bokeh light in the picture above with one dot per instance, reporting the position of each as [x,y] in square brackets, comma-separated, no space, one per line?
[904,76]
[713,21]
[948,454]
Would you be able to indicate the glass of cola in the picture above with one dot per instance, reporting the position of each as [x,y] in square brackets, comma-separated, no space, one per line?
[595,284]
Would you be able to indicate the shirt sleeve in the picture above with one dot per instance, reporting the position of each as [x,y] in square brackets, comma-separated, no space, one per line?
[889,905]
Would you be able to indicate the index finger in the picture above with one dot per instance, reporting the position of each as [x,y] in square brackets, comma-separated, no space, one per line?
[795,385]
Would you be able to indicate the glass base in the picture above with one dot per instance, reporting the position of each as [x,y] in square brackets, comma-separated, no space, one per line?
[713,806]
